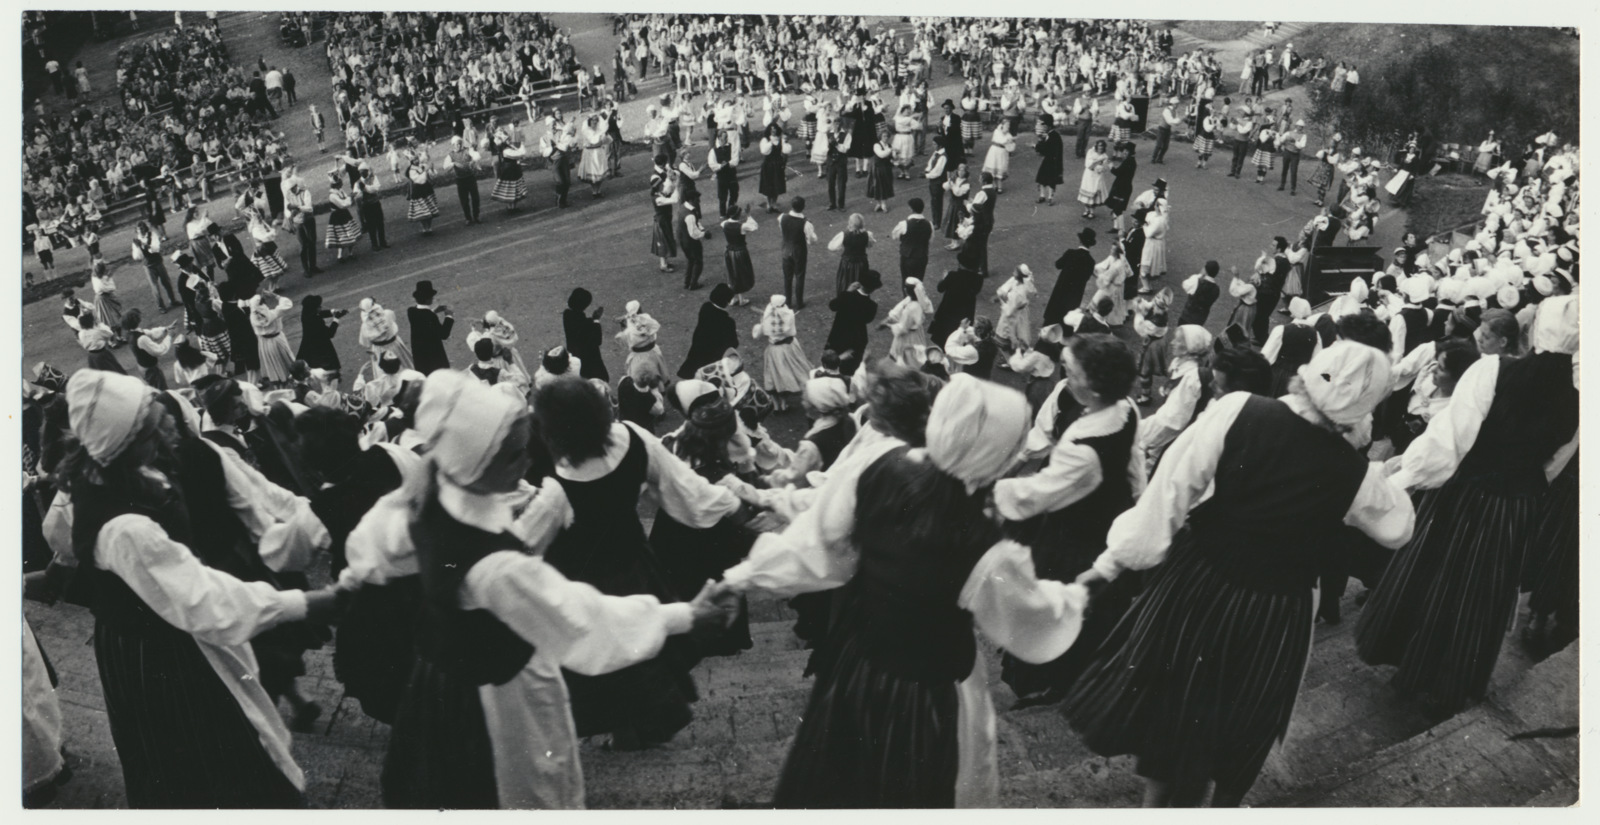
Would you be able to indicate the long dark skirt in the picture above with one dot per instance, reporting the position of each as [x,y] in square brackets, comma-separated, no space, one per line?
[440,756]
[376,646]
[1199,678]
[774,176]
[105,359]
[1552,581]
[872,739]
[1443,607]
[850,271]
[183,740]
[662,243]
[689,557]
[741,274]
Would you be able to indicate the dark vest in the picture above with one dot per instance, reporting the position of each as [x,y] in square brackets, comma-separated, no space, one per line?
[914,244]
[1084,523]
[728,172]
[794,235]
[1418,330]
[1535,411]
[1198,307]
[472,645]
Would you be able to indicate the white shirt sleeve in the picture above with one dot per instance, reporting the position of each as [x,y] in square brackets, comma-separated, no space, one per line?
[379,549]
[215,607]
[1382,509]
[1160,429]
[1139,538]
[811,233]
[1558,462]
[1397,337]
[1040,440]
[1412,365]
[1432,459]
[571,622]
[1034,619]
[837,243]
[681,491]
[1073,472]
[1274,344]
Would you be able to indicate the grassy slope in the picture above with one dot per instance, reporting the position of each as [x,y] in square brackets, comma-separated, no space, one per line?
[1217,31]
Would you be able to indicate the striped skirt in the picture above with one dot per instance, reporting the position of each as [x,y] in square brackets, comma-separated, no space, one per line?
[509,191]
[1120,134]
[971,130]
[1204,145]
[1199,678]
[1443,606]
[184,741]
[1323,176]
[343,230]
[807,130]
[218,345]
[421,208]
[271,266]
[1551,572]
[1262,159]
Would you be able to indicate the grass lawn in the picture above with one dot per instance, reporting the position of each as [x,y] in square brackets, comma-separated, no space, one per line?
[1445,201]
[1216,31]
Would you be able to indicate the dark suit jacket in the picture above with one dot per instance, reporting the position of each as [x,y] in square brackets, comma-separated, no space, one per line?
[852,313]
[1077,268]
[714,333]
[428,333]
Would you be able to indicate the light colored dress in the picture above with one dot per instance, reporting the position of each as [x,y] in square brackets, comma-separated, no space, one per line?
[380,334]
[1016,323]
[910,336]
[1096,183]
[1109,276]
[1154,258]
[277,359]
[785,367]
[592,167]
[998,161]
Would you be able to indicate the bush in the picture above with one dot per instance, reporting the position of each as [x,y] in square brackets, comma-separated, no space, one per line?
[1458,92]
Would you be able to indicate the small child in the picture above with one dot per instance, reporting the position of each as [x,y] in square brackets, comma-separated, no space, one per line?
[44,249]
[318,125]
[91,242]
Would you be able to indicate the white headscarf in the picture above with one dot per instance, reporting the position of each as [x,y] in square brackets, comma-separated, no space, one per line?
[976,429]
[1346,380]
[462,421]
[104,409]
[1555,327]
[828,394]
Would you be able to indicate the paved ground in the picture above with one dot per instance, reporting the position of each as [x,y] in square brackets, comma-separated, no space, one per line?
[523,265]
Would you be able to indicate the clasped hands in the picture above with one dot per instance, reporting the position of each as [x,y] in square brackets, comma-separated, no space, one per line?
[716,606]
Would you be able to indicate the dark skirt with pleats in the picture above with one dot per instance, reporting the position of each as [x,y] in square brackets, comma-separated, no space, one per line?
[181,737]
[376,645]
[1443,607]
[690,556]
[440,756]
[1198,679]
[872,739]
[1552,581]
[741,273]
[851,271]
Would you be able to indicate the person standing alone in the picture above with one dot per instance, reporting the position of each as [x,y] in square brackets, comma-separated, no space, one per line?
[797,233]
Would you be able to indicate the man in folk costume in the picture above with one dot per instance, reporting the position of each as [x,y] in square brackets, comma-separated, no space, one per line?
[182,689]
[983,203]
[484,722]
[1203,292]
[430,326]
[1169,120]
[723,162]
[798,234]
[1084,110]
[934,172]
[853,312]
[1290,145]
[1244,129]
[1077,269]
[299,211]
[914,234]
[463,161]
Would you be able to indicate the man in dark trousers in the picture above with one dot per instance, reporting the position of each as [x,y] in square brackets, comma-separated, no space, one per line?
[1203,291]
[1243,134]
[288,85]
[982,203]
[1076,267]
[914,233]
[935,174]
[797,234]
[714,332]
[1290,145]
[430,326]
[302,212]
[463,161]
[258,96]
[837,168]
[371,205]
[852,316]
[725,165]
[1270,291]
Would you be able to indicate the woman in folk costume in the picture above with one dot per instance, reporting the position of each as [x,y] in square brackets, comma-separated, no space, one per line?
[581,327]
[741,272]
[998,160]
[957,186]
[1014,297]
[1199,679]
[269,263]
[603,467]
[664,197]
[1483,464]
[1122,122]
[880,175]
[1093,474]
[692,555]
[107,307]
[592,167]
[1153,258]
[1111,278]
[98,342]
[1205,139]
[904,143]
[191,363]
[509,187]
[907,323]
[826,402]
[1186,396]
[421,204]
[819,140]
[1265,142]
[147,346]
[504,336]
[1096,182]
[181,685]
[266,311]
[639,331]
[852,244]
[1551,575]
[785,366]
[900,715]
[774,165]
[484,720]
[690,232]
[1487,151]
[1290,346]
[380,334]
[344,229]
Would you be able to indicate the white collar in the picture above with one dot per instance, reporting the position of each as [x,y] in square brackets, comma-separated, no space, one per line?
[617,443]
[488,513]
[1097,424]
